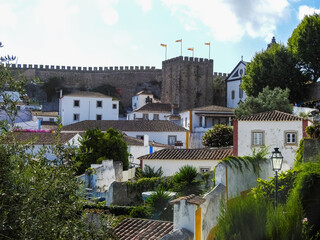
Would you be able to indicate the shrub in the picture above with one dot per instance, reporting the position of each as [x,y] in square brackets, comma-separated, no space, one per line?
[149,172]
[185,181]
[219,136]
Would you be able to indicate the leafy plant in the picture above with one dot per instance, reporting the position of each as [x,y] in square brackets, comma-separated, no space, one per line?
[219,136]
[159,204]
[185,181]
[148,172]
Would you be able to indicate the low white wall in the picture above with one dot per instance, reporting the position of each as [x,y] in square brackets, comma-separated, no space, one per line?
[210,209]
[236,181]
[170,167]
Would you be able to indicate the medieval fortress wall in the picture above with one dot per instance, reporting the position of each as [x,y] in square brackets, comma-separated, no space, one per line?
[182,80]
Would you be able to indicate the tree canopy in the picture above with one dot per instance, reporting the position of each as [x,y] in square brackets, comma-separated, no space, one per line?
[219,136]
[267,100]
[304,43]
[274,67]
[97,146]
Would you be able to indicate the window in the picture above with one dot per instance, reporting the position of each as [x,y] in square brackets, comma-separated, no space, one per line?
[51,119]
[232,94]
[240,92]
[76,117]
[172,140]
[76,103]
[99,117]
[204,169]
[140,137]
[290,137]
[145,116]
[258,138]
[99,104]
[155,116]
[114,106]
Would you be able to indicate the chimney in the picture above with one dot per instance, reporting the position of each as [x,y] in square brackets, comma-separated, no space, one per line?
[146,140]
[60,93]
[187,213]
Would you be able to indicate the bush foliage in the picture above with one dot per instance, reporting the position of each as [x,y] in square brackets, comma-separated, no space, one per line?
[219,136]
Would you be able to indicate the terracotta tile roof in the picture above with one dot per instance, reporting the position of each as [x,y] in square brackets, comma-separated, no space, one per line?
[214,108]
[271,116]
[41,138]
[86,94]
[155,107]
[192,199]
[126,125]
[49,114]
[142,229]
[139,142]
[189,154]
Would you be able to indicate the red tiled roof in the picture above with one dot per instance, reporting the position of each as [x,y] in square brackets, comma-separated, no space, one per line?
[193,199]
[142,229]
[125,125]
[189,154]
[87,94]
[271,116]
[214,108]
[41,138]
[155,107]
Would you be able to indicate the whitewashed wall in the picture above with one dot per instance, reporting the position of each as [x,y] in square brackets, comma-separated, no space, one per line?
[161,137]
[140,100]
[135,115]
[170,167]
[274,137]
[138,151]
[234,86]
[184,216]
[87,110]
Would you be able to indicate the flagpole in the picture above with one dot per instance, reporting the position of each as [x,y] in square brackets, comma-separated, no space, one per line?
[165,51]
[181,47]
[209,49]
[193,52]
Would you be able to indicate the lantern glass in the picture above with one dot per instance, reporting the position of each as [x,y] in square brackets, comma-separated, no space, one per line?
[276,159]
[131,158]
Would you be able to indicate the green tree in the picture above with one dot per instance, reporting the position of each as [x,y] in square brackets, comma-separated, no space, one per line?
[219,136]
[267,100]
[304,43]
[148,172]
[274,67]
[52,87]
[39,198]
[97,146]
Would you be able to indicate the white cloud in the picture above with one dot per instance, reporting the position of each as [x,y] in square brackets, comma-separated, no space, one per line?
[8,17]
[305,10]
[109,14]
[230,20]
[146,5]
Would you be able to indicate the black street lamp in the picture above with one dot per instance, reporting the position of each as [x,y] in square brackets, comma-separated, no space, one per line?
[276,160]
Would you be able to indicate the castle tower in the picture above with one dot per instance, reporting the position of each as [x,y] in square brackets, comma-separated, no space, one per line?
[187,82]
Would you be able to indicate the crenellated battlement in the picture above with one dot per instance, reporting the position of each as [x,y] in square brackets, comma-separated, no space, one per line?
[186,59]
[81,69]
[220,74]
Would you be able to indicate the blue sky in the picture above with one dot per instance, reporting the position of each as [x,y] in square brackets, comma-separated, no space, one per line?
[129,32]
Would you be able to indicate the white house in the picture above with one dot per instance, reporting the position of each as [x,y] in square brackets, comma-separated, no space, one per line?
[235,94]
[201,119]
[141,98]
[271,129]
[139,147]
[79,106]
[46,139]
[204,159]
[151,111]
[164,132]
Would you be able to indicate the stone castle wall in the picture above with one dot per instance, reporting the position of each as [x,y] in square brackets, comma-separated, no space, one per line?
[187,82]
[127,80]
